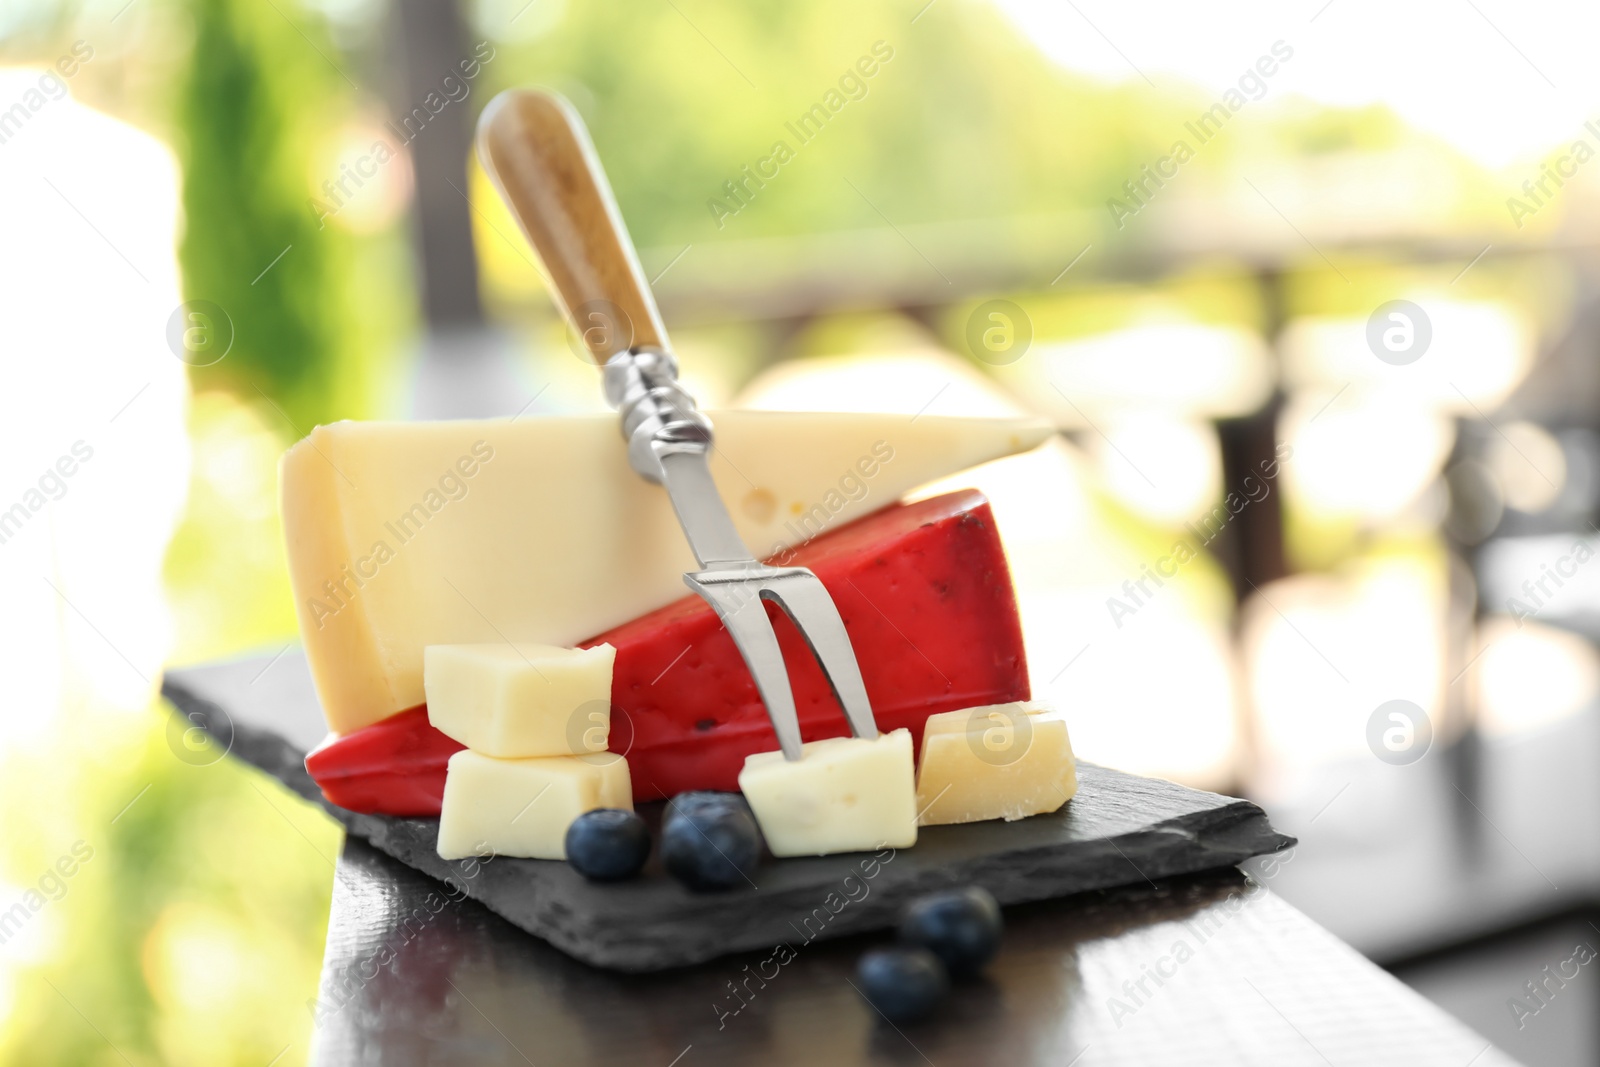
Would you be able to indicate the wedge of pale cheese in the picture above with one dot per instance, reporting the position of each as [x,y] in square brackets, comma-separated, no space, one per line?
[515,701]
[522,807]
[844,794]
[1000,761]
[404,535]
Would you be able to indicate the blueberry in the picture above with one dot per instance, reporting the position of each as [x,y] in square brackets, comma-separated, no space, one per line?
[903,983]
[961,927]
[701,800]
[710,840]
[608,844]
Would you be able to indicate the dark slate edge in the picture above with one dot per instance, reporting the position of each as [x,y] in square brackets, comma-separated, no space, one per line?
[753,921]
[1218,836]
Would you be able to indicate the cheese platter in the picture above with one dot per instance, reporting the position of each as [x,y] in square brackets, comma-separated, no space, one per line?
[502,684]
[1118,830]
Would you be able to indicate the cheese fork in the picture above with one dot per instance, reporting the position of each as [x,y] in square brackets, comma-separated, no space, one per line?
[535,148]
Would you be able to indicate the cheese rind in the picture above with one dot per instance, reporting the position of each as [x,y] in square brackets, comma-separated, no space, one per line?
[844,794]
[393,767]
[404,535]
[522,807]
[516,701]
[925,596]
[999,761]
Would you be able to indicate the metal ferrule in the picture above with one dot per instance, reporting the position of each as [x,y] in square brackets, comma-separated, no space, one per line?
[642,384]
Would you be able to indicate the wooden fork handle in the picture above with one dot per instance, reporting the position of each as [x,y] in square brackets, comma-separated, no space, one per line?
[535,147]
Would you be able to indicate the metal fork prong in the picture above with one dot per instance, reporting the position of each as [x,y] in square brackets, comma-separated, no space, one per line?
[806,601]
[744,615]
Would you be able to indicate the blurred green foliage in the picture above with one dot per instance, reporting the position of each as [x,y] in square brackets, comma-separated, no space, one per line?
[192,934]
[260,97]
[966,120]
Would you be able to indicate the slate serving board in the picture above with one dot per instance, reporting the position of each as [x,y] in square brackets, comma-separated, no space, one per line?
[1120,829]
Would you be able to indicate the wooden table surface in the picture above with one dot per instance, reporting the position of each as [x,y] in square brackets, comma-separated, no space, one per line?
[1208,969]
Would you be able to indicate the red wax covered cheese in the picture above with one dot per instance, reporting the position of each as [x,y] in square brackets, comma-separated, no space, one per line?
[393,767]
[924,593]
[926,597]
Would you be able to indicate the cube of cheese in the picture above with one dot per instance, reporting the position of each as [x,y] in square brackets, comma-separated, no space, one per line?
[522,807]
[844,794]
[1000,761]
[520,700]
